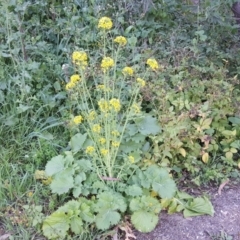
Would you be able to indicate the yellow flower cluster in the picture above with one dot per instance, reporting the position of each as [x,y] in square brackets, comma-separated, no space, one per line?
[122,41]
[141,82]
[152,63]
[103,105]
[102,140]
[115,144]
[90,150]
[74,79]
[78,119]
[79,58]
[103,87]
[131,159]
[104,152]
[92,115]
[115,133]
[128,71]
[96,128]
[115,104]
[107,63]
[105,23]
[136,108]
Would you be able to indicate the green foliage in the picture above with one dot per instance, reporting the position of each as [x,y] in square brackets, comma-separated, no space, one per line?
[189,205]
[188,128]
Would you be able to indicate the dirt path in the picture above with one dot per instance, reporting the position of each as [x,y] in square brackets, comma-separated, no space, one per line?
[226,218]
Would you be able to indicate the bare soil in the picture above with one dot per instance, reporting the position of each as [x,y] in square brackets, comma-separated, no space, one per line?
[226,219]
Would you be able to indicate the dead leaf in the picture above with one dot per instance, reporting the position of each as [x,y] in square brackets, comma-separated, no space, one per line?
[205,157]
[222,186]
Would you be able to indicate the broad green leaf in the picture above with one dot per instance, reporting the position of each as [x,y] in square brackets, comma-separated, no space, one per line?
[234,120]
[144,221]
[85,165]
[161,182]
[198,206]
[133,190]
[110,201]
[76,225]
[56,225]
[71,208]
[55,165]
[235,144]
[77,190]
[145,203]
[183,195]
[129,146]
[86,213]
[141,178]
[77,141]
[106,219]
[148,125]
[62,182]
[228,133]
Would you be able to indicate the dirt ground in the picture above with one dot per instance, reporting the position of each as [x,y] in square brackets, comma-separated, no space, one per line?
[226,219]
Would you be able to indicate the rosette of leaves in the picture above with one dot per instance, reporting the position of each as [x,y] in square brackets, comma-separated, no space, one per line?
[69,174]
[68,218]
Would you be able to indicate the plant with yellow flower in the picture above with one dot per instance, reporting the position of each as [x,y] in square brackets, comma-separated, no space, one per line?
[108,134]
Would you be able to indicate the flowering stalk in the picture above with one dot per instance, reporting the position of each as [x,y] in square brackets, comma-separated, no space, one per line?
[100,109]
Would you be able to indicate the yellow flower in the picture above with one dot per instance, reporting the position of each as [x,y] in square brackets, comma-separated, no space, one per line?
[102,140]
[30,194]
[96,128]
[141,82]
[47,181]
[128,71]
[104,152]
[74,78]
[102,87]
[115,133]
[115,144]
[78,119]
[92,115]
[107,63]
[122,41]
[90,150]
[131,159]
[105,23]
[136,108]
[115,103]
[103,105]
[152,63]
[70,85]
[79,58]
